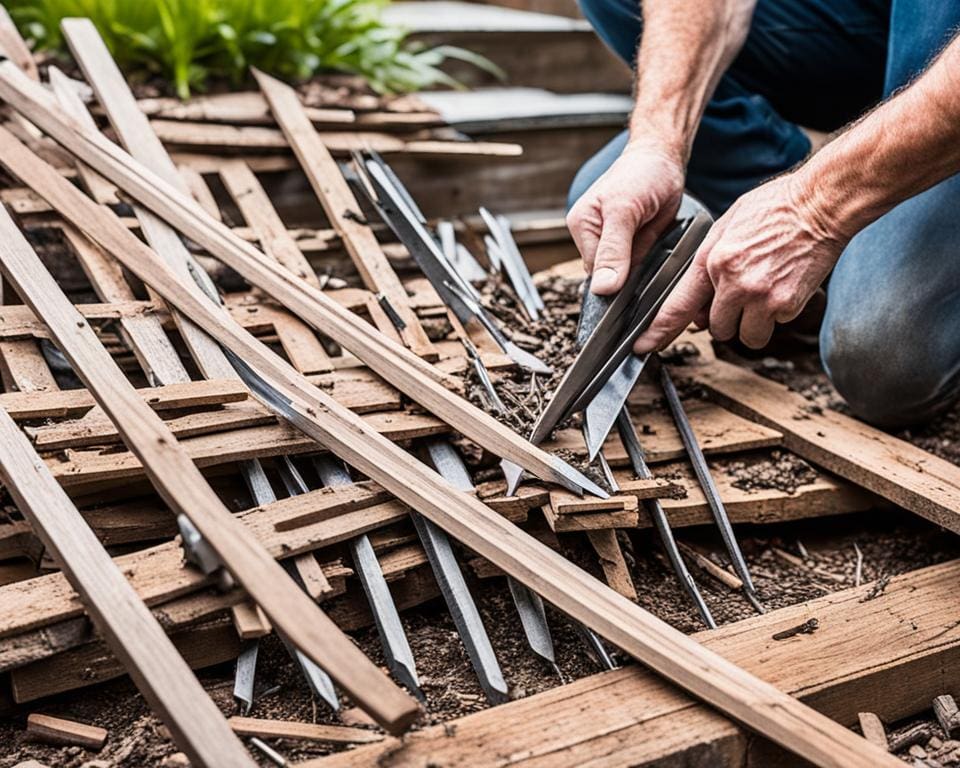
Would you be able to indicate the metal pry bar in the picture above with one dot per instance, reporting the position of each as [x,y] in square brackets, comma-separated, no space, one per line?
[628,436]
[393,638]
[455,592]
[533,617]
[705,478]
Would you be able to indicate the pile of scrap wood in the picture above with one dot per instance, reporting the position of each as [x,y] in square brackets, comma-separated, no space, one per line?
[195,464]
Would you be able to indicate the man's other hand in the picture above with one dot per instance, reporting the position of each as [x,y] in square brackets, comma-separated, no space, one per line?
[758,266]
[618,219]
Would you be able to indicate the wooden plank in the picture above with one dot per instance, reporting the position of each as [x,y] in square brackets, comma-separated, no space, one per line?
[717,429]
[23,406]
[592,521]
[238,107]
[890,467]
[286,729]
[311,575]
[94,663]
[143,332]
[58,730]
[857,660]
[624,624]
[218,137]
[342,209]
[126,624]
[24,367]
[255,205]
[14,47]
[184,489]
[85,466]
[251,622]
[612,562]
[198,188]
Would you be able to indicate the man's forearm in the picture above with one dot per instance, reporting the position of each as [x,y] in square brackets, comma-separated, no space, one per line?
[904,146]
[685,48]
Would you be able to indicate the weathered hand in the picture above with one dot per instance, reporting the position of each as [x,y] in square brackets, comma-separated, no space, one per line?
[618,219]
[759,265]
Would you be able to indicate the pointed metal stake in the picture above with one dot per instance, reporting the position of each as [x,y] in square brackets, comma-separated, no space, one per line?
[393,638]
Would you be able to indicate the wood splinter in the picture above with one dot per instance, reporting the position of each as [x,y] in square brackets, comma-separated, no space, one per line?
[945,709]
[57,730]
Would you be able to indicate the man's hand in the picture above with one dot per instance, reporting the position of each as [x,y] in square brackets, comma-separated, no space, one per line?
[759,265]
[618,219]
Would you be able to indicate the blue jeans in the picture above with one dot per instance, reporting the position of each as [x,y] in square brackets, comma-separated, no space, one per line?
[890,341]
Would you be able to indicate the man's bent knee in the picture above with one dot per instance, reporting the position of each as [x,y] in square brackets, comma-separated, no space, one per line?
[884,378]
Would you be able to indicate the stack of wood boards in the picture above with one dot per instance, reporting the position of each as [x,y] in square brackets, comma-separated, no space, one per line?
[47,644]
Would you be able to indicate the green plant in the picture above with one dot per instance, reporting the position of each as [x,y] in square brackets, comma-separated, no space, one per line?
[193,41]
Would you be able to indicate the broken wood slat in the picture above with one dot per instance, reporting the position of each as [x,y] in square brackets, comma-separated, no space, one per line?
[360,396]
[74,402]
[250,620]
[342,209]
[624,624]
[285,729]
[199,190]
[628,517]
[315,583]
[409,373]
[143,332]
[14,47]
[183,487]
[216,136]
[706,564]
[133,634]
[81,468]
[856,661]
[872,729]
[57,730]
[344,498]
[237,107]
[718,430]
[567,503]
[204,646]
[612,562]
[890,467]
[301,346]
[24,368]
[262,217]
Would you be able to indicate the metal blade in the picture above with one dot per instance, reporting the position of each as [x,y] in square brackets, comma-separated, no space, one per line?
[457,255]
[511,260]
[705,478]
[601,414]
[485,381]
[245,675]
[595,644]
[513,251]
[464,611]
[628,435]
[393,638]
[318,680]
[533,618]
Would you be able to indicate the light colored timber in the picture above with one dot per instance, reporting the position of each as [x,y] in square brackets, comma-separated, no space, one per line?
[339,203]
[24,367]
[286,729]
[92,663]
[857,660]
[243,107]
[255,205]
[215,136]
[14,47]
[122,619]
[417,379]
[872,729]
[682,660]
[890,467]
[182,486]
[81,467]
[75,402]
[612,562]
[251,622]
[57,730]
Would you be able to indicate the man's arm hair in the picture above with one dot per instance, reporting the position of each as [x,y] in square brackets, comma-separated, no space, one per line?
[685,48]
[902,147]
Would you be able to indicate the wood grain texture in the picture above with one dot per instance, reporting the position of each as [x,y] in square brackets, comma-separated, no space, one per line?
[857,660]
[122,619]
[182,486]
[57,730]
[286,729]
[342,208]
[890,467]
